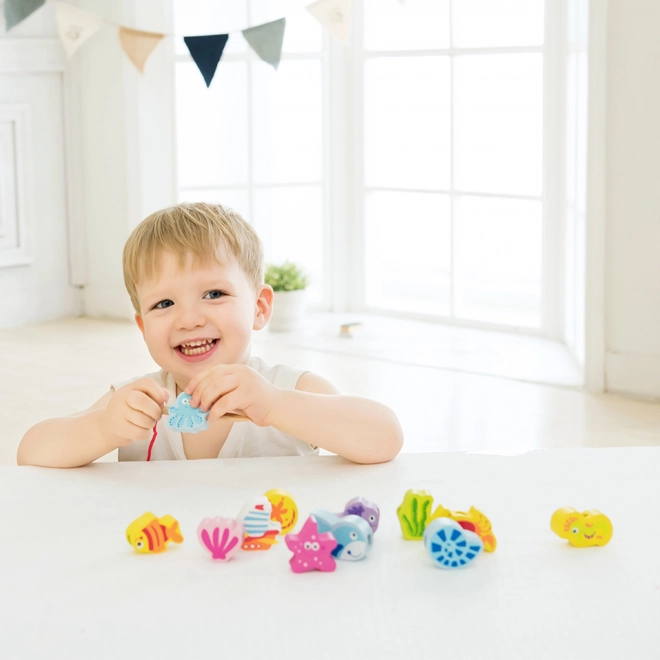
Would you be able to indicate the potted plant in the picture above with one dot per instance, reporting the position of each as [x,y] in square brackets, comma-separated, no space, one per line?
[289,284]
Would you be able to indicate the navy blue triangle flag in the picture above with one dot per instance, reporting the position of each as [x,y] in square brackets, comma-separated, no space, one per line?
[207,51]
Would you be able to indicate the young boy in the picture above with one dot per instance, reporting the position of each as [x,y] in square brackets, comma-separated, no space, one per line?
[194,273]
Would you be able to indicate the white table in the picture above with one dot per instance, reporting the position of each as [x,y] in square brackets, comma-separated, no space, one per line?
[71,586]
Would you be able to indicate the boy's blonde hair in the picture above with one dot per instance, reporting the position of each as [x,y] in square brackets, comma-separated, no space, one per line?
[210,232]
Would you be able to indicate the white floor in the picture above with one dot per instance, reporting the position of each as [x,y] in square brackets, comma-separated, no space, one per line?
[448,402]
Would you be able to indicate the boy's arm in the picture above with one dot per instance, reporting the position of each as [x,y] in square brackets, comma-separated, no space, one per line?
[116,419]
[356,428]
[67,441]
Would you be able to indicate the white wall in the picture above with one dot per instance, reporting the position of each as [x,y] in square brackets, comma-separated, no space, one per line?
[632,287]
[127,144]
[35,282]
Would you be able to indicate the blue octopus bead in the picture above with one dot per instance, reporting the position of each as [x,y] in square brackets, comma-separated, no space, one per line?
[186,419]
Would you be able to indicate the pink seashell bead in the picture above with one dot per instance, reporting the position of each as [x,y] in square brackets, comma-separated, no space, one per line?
[222,537]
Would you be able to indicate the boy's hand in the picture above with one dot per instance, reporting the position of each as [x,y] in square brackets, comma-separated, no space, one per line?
[132,412]
[233,388]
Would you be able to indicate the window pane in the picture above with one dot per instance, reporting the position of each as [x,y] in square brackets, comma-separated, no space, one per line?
[408,252]
[406,124]
[489,23]
[287,118]
[303,33]
[498,121]
[498,260]
[418,25]
[198,17]
[211,133]
[289,221]
[235,198]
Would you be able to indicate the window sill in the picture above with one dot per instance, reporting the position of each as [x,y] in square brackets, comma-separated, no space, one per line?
[437,346]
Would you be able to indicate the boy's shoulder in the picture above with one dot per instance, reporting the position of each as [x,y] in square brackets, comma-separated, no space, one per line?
[280,375]
[286,377]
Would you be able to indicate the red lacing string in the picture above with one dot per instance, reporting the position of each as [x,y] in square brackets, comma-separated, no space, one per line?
[151,444]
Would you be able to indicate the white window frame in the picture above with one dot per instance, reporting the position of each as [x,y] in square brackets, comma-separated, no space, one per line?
[351,263]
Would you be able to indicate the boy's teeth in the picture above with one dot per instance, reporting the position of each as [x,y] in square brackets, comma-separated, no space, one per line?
[197,347]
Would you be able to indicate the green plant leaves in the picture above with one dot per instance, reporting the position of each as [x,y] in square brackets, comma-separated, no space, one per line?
[285,277]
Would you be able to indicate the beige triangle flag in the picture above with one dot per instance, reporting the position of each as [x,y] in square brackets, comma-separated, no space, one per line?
[335,15]
[138,45]
[74,26]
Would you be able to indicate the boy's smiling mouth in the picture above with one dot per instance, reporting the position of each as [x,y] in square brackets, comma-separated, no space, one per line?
[198,349]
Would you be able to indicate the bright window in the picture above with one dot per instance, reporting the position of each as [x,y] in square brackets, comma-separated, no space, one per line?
[453,159]
[432,140]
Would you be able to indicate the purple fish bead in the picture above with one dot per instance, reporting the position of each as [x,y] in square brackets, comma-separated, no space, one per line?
[359,506]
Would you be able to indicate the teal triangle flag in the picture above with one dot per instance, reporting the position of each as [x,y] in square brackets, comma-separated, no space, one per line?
[207,51]
[266,40]
[18,10]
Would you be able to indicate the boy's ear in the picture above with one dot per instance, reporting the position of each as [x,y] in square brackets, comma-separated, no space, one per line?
[264,307]
[140,323]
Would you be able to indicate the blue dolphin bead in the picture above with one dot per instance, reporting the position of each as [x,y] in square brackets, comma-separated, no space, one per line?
[449,545]
[353,534]
[186,419]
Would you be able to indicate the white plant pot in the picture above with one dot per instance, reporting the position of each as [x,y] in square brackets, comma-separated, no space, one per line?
[288,310]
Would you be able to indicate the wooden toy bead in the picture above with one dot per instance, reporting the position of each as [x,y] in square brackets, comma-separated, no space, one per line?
[149,534]
[312,551]
[222,537]
[449,545]
[472,520]
[582,530]
[185,418]
[413,513]
[284,509]
[260,531]
[359,506]
[353,534]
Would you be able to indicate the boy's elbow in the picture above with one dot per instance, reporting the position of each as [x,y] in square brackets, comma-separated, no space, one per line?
[392,446]
[394,436]
[23,452]
[388,444]
[31,449]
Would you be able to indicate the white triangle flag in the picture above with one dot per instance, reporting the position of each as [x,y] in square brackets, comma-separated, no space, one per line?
[75,26]
[335,15]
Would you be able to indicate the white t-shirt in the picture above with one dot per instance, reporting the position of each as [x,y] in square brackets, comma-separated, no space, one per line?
[245,439]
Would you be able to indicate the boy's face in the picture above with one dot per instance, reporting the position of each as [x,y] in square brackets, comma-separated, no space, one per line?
[211,304]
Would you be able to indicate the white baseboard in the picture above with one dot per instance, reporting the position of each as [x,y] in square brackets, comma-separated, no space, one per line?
[107,302]
[636,374]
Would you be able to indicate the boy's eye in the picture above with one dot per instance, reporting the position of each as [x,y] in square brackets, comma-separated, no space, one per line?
[215,294]
[163,304]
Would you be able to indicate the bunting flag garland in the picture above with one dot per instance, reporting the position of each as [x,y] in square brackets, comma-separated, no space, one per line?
[335,15]
[266,40]
[206,51]
[74,26]
[138,45]
[18,10]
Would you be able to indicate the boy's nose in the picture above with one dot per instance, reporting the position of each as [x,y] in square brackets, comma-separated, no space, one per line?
[190,317]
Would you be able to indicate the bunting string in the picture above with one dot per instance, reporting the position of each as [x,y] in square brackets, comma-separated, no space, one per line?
[76,26]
